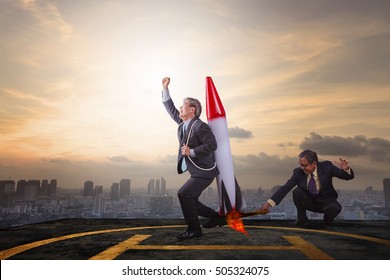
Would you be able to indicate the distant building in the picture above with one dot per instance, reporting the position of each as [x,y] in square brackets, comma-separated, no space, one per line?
[161,205]
[124,188]
[88,188]
[97,191]
[7,189]
[386,191]
[157,186]
[7,186]
[44,189]
[163,186]
[115,191]
[53,187]
[31,190]
[99,205]
[151,186]
[48,189]
[20,186]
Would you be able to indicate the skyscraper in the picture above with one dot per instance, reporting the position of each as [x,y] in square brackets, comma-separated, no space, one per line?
[88,188]
[157,186]
[386,191]
[115,191]
[44,190]
[31,190]
[163,186]
[20,186]
[99,205]
[53,187]
[97,191]
[124,187]
[7,188]
[151,186]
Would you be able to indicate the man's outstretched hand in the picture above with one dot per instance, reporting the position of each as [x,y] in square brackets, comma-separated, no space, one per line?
[165,82]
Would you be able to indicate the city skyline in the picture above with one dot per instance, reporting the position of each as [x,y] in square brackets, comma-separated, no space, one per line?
[31,205]
[81,81]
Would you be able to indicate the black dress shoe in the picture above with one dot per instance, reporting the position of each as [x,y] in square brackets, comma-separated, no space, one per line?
[302,222]
[328,221]
[188,235]
[213,222]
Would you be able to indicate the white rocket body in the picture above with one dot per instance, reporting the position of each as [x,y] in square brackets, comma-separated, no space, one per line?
[228,190]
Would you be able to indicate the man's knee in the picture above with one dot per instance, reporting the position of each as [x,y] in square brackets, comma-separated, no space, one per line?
[333,209]
[299,193]
[181,193]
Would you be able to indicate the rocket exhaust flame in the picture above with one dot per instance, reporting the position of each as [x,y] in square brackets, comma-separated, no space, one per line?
[234,219]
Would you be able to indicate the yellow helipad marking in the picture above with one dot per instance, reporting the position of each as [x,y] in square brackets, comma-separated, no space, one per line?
[121,247]
[311,251]
[308,249]
[18,249]
[5,254]
[351,235]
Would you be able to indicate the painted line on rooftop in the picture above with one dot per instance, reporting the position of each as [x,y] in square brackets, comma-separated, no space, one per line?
[5,254]
[133,243]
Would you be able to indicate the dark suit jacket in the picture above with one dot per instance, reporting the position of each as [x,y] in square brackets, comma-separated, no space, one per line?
[201,140]
[325,171]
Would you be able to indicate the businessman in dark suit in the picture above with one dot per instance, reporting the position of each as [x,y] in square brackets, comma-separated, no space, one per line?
[195,154]
[315,191]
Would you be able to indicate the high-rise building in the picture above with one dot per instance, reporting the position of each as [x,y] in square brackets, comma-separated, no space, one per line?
[163,186]
[157,186]
[124,187]
[88,188]
[44,189]
[97,191]
[386,191]
[151,186]
[115,191]
[7,189]
[31,190]
[48,189]
[162,205]
[7,186]
[53,187]
[20,186]
[99,205]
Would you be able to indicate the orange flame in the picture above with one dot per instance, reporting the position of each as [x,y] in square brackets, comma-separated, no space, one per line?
[234,219]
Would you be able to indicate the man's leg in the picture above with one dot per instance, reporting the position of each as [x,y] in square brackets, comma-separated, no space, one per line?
[303,201]
[331,208]
[188,196]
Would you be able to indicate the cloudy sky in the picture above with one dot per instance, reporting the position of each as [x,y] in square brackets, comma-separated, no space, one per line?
[80,86]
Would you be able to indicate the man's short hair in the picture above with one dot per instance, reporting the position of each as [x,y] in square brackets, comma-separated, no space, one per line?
[193,102]
[310,155]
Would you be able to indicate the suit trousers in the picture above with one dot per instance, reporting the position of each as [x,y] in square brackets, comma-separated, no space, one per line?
[188,196]
[303,200]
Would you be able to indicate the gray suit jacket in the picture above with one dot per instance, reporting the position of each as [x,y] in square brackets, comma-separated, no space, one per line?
[201,140]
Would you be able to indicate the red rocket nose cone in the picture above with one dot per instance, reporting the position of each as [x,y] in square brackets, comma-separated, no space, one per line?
[214,107]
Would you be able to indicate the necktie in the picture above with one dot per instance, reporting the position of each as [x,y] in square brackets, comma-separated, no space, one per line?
[312,186]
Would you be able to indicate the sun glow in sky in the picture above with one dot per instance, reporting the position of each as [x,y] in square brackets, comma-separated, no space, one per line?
[80,86]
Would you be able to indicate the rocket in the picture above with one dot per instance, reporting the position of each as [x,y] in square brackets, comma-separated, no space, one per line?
[230,197]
